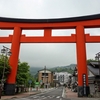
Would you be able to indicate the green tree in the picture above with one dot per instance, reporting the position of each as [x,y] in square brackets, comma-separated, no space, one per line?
[90,60]
[4,61]
[30,78]
[22,73]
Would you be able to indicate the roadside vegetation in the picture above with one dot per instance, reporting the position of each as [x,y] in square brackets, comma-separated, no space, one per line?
[7,68]
[23,78]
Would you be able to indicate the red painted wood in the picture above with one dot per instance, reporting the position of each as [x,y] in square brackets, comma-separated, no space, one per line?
[81,54]
[15,54]
[80,38]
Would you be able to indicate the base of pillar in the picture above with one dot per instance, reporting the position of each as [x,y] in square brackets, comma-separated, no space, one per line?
[9,89]
[82,93]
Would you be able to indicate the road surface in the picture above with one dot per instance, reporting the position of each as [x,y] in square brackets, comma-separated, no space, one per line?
[54,94]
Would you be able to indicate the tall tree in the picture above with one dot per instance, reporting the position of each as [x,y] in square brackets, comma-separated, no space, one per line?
[4,67]
[22,73]
[89,60]
[32,79]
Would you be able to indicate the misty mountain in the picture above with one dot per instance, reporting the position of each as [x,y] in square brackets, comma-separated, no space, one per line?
[68,68]
[72,66]
[34,70]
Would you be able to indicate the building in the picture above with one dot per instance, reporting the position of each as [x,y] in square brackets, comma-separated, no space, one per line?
[94,75]
[93,68]
[61,78]
[45,77]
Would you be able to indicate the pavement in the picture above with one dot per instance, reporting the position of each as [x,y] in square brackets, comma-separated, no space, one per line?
[69,95]
[74,96]
[25,94]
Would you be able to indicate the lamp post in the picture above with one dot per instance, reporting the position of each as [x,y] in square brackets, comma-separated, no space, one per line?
[5,51]
[44,76]
[97,58]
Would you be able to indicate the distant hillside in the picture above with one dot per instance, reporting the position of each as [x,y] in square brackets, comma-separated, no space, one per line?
[69,68]
[34,70]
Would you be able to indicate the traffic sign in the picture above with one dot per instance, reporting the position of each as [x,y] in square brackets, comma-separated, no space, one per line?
[30,81]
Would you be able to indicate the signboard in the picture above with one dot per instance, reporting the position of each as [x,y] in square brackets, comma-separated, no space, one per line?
[84,84]
[37,83]
[40,81]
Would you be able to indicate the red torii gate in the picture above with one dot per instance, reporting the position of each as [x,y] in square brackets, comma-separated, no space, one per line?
[80,38]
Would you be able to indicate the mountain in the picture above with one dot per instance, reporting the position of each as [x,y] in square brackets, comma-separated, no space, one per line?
[68,68]
[34,70]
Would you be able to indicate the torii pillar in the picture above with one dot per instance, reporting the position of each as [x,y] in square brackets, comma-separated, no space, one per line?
[11,81]
[83,89]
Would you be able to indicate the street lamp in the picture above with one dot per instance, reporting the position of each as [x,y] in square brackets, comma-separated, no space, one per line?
[97,59]
[44,76]
[5,51]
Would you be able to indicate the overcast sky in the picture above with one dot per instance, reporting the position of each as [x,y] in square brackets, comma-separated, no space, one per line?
[51,55]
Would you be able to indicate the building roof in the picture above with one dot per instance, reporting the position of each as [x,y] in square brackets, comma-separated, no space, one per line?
[93,70]
[93,67]
[47,70]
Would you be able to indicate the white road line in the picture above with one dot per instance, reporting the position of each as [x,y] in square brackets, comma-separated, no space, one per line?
[44,98]
[63,93]
[35,97]
[58,97]
[51,96]
[44,92]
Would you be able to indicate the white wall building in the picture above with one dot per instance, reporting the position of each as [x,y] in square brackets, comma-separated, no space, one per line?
[61,77]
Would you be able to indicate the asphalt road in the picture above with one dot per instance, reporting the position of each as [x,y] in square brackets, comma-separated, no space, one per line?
[54,94]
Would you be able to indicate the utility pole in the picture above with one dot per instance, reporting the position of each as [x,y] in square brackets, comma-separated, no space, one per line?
[44,76]
[97,58]
[5,51]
